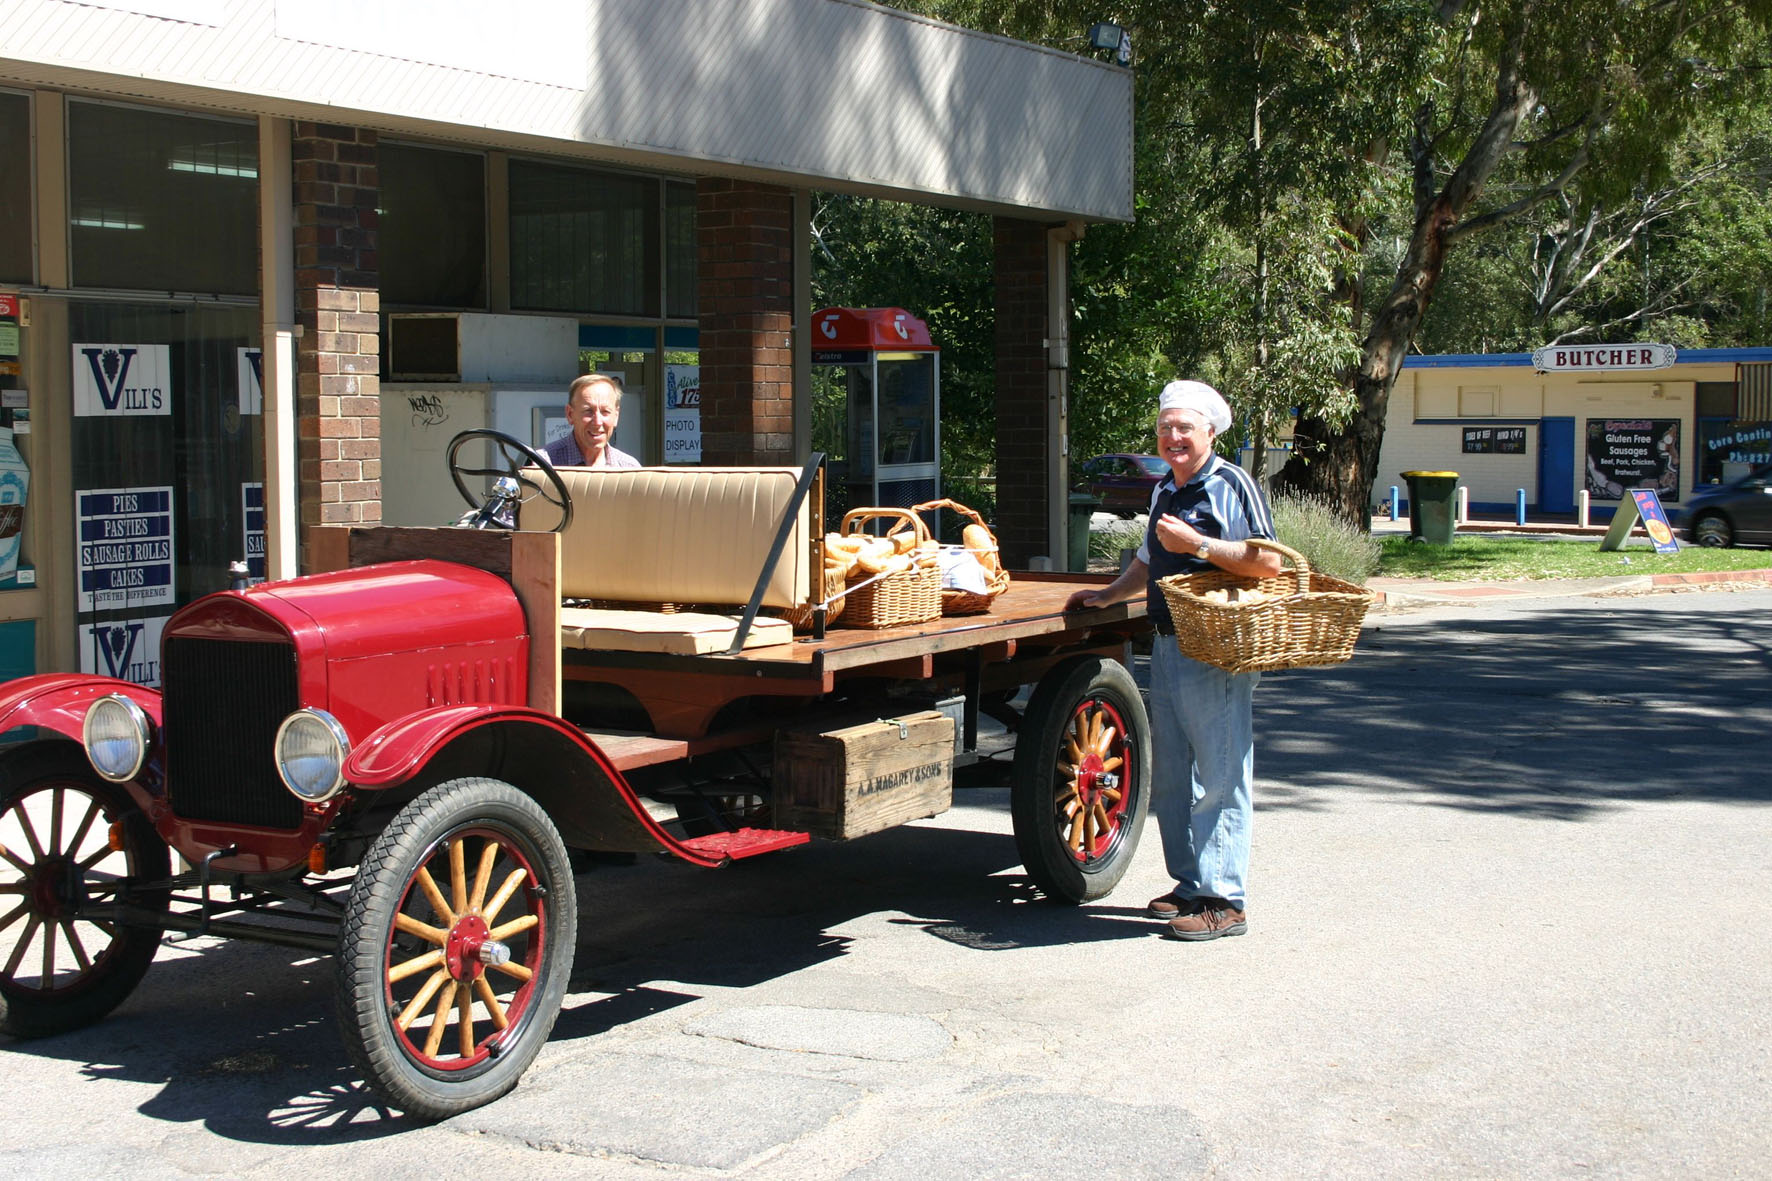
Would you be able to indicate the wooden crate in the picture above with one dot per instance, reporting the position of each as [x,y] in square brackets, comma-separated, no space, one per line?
[862,778]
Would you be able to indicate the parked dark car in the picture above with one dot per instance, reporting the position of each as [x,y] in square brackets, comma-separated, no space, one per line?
[1123,482]
[1732,513]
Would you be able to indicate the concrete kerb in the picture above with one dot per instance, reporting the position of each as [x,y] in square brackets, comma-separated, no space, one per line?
[1399,593]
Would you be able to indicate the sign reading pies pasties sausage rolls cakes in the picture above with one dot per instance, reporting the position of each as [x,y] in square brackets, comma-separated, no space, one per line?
[125,548]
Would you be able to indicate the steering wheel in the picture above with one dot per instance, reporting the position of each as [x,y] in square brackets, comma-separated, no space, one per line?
[500,507]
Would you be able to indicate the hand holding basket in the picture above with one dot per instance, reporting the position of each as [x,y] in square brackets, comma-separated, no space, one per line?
[1294,619]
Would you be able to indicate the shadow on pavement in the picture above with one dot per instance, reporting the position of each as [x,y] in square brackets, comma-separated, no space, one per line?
[241,1038]
[1553,713]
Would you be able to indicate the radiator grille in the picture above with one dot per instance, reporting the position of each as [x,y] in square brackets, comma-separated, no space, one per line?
[224,700]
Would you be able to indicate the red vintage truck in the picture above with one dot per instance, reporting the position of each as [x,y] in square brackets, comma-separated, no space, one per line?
[400,760]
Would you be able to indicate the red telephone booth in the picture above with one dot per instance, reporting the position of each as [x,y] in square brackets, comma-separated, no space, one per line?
[876,387]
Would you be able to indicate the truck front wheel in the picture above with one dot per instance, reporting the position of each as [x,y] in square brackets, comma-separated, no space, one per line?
[75,853]
[1081,782]
[457,945]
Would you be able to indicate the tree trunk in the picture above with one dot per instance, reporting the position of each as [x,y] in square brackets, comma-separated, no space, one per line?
[1340,464]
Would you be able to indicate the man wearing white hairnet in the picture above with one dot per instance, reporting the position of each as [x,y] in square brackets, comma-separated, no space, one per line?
[1202,733]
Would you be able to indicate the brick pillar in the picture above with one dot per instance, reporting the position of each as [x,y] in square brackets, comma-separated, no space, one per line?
[745,301]
[1023,446]
[337,301]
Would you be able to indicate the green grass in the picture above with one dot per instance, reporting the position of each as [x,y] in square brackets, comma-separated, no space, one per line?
[1502,559]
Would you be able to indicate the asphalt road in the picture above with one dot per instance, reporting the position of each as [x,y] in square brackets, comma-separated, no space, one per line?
[1508,918]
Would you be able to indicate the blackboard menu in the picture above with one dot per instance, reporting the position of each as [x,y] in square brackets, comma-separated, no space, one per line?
[1496,440]
[1626,453]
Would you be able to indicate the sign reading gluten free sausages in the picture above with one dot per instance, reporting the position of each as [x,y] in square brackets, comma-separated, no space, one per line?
[1626,453]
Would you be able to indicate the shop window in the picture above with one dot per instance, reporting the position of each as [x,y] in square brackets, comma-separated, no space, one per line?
[637,371]
[680,251]
[161,201]
[1715,399]
[431,232]
[166,471]
[15,196]
[583,241]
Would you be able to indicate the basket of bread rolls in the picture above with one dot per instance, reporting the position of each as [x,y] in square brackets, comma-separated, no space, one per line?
[839,561]
[896,577]
[977,540]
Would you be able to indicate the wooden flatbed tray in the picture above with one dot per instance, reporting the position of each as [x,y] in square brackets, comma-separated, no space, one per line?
[1032,608]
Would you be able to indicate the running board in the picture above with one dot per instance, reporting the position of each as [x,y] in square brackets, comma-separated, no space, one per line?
[746,842]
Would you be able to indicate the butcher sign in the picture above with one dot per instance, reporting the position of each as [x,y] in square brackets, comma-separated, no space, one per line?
[1564,358]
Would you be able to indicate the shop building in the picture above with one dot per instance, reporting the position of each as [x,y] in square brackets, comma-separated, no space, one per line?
[261,259]
[1568,419]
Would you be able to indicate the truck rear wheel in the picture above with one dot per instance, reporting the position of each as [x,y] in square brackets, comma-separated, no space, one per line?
[1080,786]
[69,842]
[457,945]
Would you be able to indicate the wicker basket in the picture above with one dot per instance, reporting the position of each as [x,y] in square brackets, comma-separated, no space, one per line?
[909,596]
[955,601]
[1307,619]
[801,617]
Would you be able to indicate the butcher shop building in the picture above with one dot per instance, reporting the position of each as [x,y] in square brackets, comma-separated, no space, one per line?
[261,259]
[1572,419]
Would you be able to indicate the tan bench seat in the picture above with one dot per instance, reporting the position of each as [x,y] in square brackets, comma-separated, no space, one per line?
[698,535]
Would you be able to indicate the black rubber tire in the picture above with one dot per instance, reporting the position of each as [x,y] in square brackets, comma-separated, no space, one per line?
[470,813]
[1713,531]
[1041,780]
[40,1004]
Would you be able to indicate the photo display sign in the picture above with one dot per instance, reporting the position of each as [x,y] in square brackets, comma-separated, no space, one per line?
[1495,440]
[1626,453]
[113,380]
[682,416]
[125,544]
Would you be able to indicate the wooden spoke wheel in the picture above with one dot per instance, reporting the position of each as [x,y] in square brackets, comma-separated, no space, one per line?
[456,949]
[1081,781]
[72,848]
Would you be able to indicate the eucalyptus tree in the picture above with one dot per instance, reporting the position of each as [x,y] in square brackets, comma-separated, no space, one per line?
[1549,95]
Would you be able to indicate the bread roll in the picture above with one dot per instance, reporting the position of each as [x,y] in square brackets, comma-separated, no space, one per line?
[873,557]
[978,539]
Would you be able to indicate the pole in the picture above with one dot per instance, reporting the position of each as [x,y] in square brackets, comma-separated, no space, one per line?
[1519,506]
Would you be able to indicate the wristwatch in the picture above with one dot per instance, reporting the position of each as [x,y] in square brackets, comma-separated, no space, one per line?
[1203,550]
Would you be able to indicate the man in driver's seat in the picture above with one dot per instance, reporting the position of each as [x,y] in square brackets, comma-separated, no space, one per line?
[593,408]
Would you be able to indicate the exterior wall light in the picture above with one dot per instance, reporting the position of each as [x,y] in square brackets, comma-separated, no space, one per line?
[1107,35]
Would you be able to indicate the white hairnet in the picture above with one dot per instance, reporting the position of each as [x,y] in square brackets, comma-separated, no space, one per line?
[1199,397]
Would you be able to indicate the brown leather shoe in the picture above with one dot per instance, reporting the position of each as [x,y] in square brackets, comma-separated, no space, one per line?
[1171,906]
[1213,920]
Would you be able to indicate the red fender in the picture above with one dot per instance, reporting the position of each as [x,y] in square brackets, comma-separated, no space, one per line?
[59,701]
[589,798]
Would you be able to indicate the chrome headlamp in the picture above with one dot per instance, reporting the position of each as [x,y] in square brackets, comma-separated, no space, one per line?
[116,734]
[311,749]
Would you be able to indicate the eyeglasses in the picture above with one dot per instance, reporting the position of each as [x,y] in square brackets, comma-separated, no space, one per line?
[1181,428]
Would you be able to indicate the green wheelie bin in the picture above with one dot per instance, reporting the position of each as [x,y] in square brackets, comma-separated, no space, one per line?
[1433,499]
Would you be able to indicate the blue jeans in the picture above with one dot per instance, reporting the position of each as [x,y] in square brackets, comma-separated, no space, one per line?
[1203,748]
